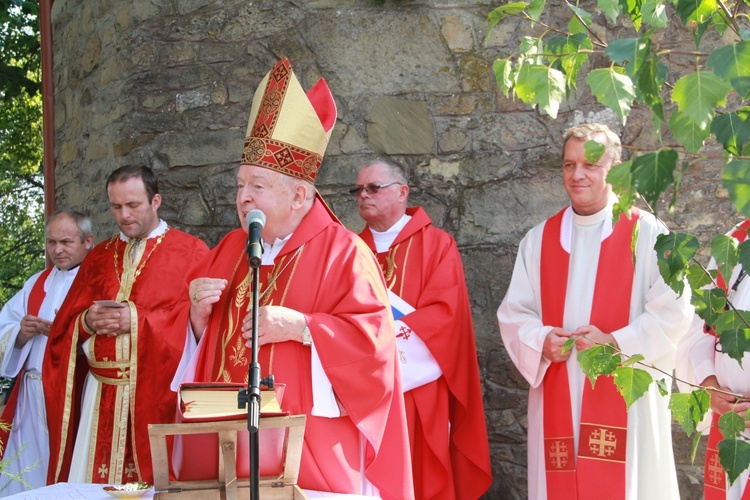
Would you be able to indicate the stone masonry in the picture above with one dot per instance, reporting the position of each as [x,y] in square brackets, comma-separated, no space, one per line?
[168,84]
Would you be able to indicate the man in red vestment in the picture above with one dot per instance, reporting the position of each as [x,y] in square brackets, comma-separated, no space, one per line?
[324,326]
[435,335]
[111,332]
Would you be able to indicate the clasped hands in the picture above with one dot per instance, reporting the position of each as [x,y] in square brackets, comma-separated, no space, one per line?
[110,321]
[726,401]
[31,326]
[586,337]
[275,323]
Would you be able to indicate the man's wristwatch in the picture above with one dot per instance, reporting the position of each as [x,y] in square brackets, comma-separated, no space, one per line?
[306,337]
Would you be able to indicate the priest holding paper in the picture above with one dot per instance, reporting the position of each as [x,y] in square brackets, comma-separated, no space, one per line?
[435,336]
[325,330]
[579,276]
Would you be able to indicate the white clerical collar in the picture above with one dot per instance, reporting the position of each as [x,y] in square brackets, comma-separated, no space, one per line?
[602,216]
[158,231]
[384,239]
[271,251]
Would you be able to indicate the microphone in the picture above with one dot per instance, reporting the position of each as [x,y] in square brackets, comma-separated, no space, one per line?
[255,219]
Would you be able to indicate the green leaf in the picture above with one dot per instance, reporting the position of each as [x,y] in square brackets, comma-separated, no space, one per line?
[503,69]
[629,52]
[674,251]
[635,358]
[724,251]
[736,180]
[650,81]
[734,455]
[694,446]
[568,345]
[654,13]
[611,8]
[570,57]
[690,408]
[612,89]
[698,277]
[593,151]
[632,383]
[732,63]
[688,132]
[698,94]
[709,303]
[531,50]
[734,335]
[732,130]
[653,173]
[731,425]
[661,384]
[500,13]
[585,16]
[542,86]
[633,8]
[743,254]
[620,178]
[536,8]
[699,11]
[598,360]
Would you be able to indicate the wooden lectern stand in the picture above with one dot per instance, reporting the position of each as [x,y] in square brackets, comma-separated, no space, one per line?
[227,484]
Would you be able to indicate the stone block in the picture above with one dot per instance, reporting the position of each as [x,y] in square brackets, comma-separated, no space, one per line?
[453,141]
[209,149]
[399,126]
[457,34]
[455,104]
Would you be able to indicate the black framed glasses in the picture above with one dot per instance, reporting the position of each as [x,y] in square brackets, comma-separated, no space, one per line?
[370,188]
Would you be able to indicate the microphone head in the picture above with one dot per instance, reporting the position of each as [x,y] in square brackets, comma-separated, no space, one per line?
[255,216]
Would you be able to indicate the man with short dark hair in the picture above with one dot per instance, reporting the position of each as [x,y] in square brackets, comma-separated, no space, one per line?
[579,276]
[435,336]
[116,316]
[25,322]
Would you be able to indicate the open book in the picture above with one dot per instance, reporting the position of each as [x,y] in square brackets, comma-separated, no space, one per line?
[205,401]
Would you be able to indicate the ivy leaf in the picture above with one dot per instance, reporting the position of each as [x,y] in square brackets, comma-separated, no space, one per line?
[736,180]
[732,130]
[734,455]
[709,303]
[503,69]
[734,336]
[743,254]
[598,360]
[500,13]
[724,251]
[612,89]
[690,133]
[610,7]
[653,173]
[732,63]
[698,94]
[661,384]
[568,345]
[632,383]
[619,177]
[542,86]
[690,408]
[674,251]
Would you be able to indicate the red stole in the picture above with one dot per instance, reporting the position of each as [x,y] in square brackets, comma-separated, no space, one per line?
[604,418]
[714,475]
[36,297]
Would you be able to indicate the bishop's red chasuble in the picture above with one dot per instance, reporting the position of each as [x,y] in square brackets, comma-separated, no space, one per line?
[424,268]
[131,373]
[598,470]
[327,273]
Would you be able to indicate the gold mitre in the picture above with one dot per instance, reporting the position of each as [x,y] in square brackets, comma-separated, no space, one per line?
[288,130]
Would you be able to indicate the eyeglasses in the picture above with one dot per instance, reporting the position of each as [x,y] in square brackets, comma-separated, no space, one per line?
[371,188]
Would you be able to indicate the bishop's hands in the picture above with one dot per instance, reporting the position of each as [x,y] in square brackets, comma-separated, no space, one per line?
[204,293]
[110,321]
[724,400]
[31,326]
[586,337]
[275,324]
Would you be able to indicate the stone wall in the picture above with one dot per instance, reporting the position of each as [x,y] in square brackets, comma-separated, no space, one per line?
[168,83]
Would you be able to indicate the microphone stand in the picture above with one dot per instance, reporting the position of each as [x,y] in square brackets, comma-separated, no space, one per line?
[251,395]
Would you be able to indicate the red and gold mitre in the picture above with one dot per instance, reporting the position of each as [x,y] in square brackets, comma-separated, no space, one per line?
[289,129]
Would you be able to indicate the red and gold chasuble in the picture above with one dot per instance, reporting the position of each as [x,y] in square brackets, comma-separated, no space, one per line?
[36,297]
[714,475]
[604,420]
